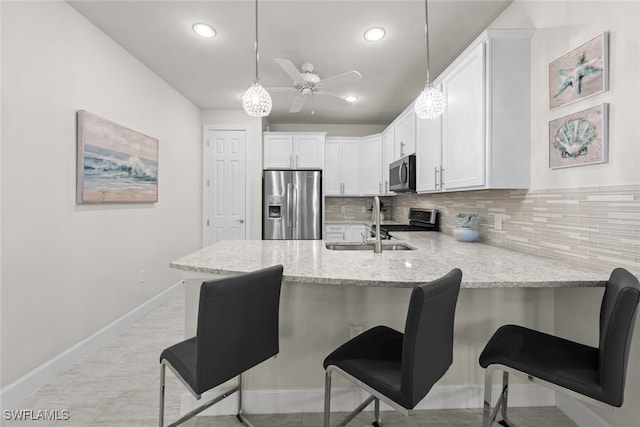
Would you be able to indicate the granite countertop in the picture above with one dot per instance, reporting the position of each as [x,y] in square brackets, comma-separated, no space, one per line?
[309,261]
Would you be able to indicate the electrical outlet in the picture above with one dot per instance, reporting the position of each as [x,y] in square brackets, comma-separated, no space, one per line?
[355,330]
[141,278]
[497,224]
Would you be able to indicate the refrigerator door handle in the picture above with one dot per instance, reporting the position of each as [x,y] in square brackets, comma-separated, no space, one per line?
[289,205]
[295,210]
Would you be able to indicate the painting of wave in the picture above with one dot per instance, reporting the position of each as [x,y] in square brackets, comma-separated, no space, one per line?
[115,164]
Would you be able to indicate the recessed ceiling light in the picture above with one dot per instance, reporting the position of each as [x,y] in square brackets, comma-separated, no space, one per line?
[374,34]
[351,98]
[204,30]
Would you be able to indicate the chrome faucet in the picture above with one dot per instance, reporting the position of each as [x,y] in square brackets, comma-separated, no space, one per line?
[377,242]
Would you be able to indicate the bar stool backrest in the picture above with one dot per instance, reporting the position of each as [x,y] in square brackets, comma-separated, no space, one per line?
[427,348]
[617,320]
[237,325]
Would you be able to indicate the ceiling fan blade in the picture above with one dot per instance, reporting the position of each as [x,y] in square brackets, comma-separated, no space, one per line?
[334,99]
[298,103]
[290,69]
[340,79]
[281,89]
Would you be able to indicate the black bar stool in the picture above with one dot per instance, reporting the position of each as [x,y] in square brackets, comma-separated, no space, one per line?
[593,375]
[237,329]
[398,368]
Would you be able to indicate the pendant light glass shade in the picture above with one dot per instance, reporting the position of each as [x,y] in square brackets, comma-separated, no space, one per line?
[430,103]
[256,101]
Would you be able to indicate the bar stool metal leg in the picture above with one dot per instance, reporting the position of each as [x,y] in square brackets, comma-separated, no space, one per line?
[376,411]
[327,398]
[162,383]
[241,416]
[504,398]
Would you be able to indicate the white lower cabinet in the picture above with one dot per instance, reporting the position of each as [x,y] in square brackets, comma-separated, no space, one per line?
[345,232]
[334,232]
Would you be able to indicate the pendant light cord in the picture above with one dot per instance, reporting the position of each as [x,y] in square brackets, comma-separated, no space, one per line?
[426,33]
[257,58]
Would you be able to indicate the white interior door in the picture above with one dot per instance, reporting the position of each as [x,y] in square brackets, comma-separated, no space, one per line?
[224,173]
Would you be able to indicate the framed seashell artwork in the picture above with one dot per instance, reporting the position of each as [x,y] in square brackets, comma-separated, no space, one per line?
[580,73]
[580,138]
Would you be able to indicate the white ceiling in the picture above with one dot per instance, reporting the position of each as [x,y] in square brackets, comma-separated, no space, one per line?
[213,73]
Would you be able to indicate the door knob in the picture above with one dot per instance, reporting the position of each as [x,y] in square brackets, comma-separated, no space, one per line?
[240,220]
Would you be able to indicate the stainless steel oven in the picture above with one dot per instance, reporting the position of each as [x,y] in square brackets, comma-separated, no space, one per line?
[402,175]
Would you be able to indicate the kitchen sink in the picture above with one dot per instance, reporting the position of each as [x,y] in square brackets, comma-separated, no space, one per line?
[357,246]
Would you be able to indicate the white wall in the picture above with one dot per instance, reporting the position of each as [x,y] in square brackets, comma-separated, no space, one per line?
[239,119]
[560,27]
[69,270]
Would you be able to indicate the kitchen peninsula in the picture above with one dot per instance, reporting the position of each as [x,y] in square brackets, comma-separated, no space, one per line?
[327,292]
[309,261]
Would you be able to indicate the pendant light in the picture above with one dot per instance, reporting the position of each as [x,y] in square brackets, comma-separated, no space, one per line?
[431,102]
[256,101]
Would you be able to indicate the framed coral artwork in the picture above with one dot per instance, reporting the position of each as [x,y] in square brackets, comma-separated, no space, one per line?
[580,138]
[115,164]
[580,73]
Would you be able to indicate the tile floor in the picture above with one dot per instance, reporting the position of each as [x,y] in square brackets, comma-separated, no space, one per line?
[117,386]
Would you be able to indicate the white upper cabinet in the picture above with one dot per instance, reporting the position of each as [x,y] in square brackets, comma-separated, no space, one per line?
[429,154]
[387,157]
[286,150]
[342,167]
[404,128]
[484,133]
[371,165]
[464,122]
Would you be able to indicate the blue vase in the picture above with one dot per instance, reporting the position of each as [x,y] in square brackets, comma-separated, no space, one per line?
[466,234]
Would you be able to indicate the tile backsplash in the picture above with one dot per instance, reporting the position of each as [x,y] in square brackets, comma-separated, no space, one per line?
[595,225]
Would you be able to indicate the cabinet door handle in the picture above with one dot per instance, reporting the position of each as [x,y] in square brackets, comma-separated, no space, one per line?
[297,160]
[290,161]
[435,176]
[401,148]
[380,187]
[441,177]
[386,187]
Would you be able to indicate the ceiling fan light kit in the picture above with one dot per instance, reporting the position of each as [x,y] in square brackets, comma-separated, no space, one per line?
[307,84]
[256,101]
[431,102]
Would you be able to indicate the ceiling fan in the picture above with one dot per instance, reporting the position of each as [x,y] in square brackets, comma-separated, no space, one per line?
[307,84]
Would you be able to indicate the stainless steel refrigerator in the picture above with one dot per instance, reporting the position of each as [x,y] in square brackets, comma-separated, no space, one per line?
[292,204]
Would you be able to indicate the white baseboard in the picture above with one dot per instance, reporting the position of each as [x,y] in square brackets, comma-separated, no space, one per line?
[23,387]
[312,400]
[578,412]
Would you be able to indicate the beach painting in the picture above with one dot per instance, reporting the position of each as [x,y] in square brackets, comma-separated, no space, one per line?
[115,164]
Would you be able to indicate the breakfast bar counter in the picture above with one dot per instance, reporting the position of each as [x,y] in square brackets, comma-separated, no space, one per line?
[328,294]
[309,261]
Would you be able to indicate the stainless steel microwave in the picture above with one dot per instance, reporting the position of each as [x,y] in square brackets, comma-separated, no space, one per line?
[402,175]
